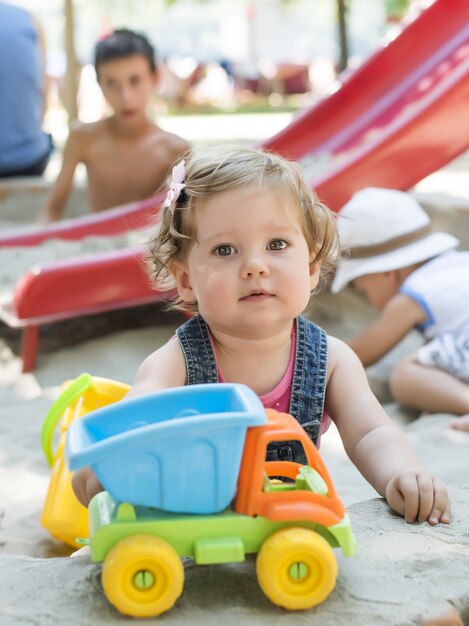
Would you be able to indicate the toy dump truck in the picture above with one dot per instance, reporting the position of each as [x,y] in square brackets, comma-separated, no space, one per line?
[185,476]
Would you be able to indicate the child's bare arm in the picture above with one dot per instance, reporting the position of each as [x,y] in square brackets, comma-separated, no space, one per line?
[378,449]
[85,485]
[163,369]
[73,154]
[397,318]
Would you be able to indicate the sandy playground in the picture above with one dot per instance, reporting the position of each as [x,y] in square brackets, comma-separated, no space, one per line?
[403,574]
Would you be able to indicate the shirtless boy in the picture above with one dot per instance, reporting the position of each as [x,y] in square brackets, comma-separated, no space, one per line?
[127,157]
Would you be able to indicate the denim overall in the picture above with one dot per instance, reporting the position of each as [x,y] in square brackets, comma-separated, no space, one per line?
[308,385]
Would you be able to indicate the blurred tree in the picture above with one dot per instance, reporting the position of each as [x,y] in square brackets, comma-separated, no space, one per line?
[71,75]
[342,9]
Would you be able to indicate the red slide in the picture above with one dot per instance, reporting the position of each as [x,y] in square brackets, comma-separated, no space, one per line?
[400,116]
[112,222]
[72,287]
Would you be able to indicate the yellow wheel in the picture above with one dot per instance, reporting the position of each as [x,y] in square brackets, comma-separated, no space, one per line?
[296,568]
[142,576]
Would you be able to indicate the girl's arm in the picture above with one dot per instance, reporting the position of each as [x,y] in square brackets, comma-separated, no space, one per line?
[377,448]
[85,485]
[163,369]
[397,318]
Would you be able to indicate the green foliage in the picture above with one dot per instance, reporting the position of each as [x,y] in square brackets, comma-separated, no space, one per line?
[397,8]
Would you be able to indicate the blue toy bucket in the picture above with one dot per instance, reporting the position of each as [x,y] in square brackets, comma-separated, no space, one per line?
[179,449]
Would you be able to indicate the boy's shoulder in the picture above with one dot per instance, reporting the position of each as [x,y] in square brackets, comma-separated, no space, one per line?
[164,148]
[88,131]
[82,137]
[170,141]
[159,138]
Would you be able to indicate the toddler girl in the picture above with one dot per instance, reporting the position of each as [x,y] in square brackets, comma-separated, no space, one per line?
[243,241]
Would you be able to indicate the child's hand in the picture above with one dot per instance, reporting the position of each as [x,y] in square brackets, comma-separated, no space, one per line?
[85,485]
[419,496]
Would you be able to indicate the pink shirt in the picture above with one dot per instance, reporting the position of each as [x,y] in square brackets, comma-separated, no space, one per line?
[279,397]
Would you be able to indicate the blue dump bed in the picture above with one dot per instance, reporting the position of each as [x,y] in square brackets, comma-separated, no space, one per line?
[179,449]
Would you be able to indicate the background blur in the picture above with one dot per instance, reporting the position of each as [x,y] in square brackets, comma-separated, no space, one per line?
[216,55]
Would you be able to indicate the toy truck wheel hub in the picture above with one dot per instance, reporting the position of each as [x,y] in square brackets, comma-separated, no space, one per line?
[298,571]
[300,574]
[144,579]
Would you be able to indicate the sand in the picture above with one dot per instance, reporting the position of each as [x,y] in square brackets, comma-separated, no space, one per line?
[401,575]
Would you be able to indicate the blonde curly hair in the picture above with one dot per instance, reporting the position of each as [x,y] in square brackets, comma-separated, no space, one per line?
[214,170]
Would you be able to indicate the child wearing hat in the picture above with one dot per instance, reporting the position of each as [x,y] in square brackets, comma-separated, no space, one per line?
[417,279]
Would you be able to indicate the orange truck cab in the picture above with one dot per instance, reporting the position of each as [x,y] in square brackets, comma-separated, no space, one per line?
[309,493]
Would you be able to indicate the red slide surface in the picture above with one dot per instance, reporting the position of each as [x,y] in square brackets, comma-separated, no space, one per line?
[400,116]
[71,287]
[112,222]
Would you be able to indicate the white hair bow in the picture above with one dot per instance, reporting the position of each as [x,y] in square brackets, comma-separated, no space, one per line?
[176,186]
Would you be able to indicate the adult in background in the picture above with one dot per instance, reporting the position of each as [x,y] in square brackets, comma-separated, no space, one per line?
[24,147]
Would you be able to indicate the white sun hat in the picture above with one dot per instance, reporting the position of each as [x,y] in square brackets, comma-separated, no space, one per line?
[382,230]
